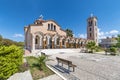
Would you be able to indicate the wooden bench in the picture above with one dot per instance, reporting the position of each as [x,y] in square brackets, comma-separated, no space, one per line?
[67,62]
[43,54]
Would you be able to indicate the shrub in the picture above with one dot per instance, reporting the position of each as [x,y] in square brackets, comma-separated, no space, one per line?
[10,59]
[113,51]
[91,46]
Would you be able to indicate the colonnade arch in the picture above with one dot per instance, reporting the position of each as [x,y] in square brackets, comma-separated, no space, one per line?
[38,40]
[48,41]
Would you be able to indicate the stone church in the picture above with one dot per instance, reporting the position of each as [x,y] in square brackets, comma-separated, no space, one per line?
[47,34]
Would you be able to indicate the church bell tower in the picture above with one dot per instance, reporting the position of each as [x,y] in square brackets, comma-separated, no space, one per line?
[92,29]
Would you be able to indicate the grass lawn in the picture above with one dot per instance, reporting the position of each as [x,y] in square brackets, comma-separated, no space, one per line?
[35,71]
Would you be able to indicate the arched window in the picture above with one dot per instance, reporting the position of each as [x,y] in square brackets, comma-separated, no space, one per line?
[90,29]
[63,42]
[95,23]
[51,26]
[54,28]
[48,26]
[36,40]
[91,23]
[68,41]
[81,43]
[90,35]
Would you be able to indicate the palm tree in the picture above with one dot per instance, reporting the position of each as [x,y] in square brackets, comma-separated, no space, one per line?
[69,33]
[41,62]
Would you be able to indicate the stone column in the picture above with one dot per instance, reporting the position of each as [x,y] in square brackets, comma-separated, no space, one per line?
[80,44]
[55,42]
[33,44]
[76,45]
[70,44]
[60,44]
[66,44]
[43,43]
[47,42]
[40,42]
[52,44]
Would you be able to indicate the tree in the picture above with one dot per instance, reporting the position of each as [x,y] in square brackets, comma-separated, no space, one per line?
[118,41]
[21,44]
[91,45]
[1,40]
[11,58]
[69,33]
[8,42]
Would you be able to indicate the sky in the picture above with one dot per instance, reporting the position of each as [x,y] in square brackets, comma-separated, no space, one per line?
[72,14]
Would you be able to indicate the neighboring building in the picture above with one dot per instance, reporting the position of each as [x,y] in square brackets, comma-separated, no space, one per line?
[106,43]
[45,34]
[92,29]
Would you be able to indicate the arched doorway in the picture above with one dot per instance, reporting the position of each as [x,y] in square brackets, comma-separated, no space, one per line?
[68,46]
[37,42]
[50,42]
[63,43]
[58,42]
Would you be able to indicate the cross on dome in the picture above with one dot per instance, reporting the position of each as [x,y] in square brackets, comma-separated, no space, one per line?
[41,17]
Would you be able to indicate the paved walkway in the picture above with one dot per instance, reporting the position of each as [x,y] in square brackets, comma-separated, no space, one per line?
[21,76]
[89,66]
[52,77]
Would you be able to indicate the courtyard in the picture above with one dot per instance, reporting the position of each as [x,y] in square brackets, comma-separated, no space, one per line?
[89,66]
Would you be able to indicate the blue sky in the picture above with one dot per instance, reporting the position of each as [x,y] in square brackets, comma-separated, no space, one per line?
[72,14]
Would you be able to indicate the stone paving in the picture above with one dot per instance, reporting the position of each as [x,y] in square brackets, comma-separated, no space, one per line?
[89,66]
[21,76]
[52,77]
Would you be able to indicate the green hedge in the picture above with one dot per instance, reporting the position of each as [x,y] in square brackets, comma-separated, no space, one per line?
[10,59]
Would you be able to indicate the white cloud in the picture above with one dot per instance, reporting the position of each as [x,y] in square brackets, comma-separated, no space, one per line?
[74,35]
[82,35]
[114,32]
[111,33]
[18,35]
[106,32]
[101,34]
